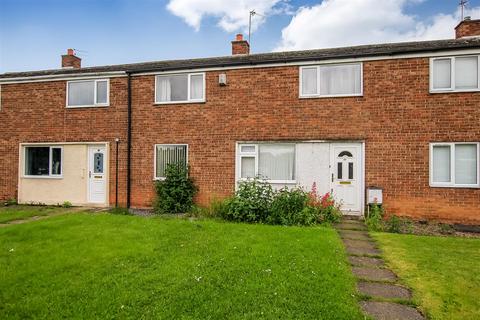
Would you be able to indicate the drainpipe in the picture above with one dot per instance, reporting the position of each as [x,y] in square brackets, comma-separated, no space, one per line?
[117,140]
[129,136]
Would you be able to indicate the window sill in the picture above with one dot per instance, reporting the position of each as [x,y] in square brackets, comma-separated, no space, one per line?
[159,179]
[332,96]
[270,181]
[433,91]
[178,102]
[43,177]
[462,186]
[89,106]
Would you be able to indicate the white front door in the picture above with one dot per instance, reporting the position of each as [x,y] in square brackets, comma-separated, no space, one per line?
[346,175]
[97,185]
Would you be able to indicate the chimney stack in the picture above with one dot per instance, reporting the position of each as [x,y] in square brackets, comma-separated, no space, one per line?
[467,28]
[70,60]
[240,46]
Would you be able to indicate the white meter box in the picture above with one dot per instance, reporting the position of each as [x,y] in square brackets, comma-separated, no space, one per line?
[374,195]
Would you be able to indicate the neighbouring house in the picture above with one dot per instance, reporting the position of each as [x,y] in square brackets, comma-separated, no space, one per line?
[404,117]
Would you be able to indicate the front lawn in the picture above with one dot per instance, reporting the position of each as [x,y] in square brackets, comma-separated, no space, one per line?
[20,212]
[444,272]
[110,266]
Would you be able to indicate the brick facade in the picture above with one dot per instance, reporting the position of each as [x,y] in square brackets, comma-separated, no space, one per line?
[397,118]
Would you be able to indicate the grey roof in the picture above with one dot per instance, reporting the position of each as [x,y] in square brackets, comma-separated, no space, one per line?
[388,49]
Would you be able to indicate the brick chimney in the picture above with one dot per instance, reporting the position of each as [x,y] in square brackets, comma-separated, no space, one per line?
[70,60]
[240,46]
[467,28]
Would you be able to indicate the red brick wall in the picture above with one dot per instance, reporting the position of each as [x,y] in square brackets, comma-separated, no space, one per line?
[467,28]
[397,117]
[35,112]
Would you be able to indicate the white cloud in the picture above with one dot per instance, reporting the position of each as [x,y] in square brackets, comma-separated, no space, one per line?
[334,23]
[232,15]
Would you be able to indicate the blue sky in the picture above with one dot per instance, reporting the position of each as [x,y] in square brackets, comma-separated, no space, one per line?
[34,33]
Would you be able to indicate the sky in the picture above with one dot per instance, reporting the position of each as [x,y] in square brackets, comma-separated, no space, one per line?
[34,33]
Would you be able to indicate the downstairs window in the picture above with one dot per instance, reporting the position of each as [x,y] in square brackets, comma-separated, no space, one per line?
[274,162]
[44,161]
[166,154]
[454,165]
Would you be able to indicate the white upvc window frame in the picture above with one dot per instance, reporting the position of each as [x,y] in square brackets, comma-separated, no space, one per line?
[50,155]
[155,178]
[452,183]
[189,77]
[318,95]
[95,104]
[452,74]
[255,155]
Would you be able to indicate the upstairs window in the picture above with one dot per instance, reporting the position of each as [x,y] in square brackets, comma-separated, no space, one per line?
[274,162]
[180,88]
[454,74]
[43,161]
[454,165]
[166,154]
[331,80]
[88,93]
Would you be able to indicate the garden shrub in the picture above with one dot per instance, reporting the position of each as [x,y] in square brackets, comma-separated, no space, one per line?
[328,209]
[256,201]
[290,207]
[251,202]
[67,204]
[175,193]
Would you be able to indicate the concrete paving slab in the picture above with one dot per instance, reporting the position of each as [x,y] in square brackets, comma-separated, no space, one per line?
[384,290]
[374,274]
[390,311]
[365,261]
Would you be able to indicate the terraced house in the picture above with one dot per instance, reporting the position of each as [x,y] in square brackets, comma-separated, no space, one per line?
[404,117]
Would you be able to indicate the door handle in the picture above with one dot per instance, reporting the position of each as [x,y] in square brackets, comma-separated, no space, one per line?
[89,174]
[332,177]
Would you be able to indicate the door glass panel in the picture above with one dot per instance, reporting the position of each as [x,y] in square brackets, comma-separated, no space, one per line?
[339,170]
[350,170]
[98,162]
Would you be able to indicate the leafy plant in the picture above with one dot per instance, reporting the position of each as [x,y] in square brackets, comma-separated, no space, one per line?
[251,202]
[328,209]
[175,193]
[396,224]
[11,202]
[374,218]
[67,204]
[290,207]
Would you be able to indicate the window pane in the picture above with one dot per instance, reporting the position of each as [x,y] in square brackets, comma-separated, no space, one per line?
[169,154]
[276,161]
[309,81]
[341,79]
[36,161]
[466,70]
[249,149]
[196,87]
[102,92]
[339,170]
[81,93]
[441,164]
[248,167]
[98,162]
[466,164]
[56,161]
[441,74]
[350,170]
[172,88]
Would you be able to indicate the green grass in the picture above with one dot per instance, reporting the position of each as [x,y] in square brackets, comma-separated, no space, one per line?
[21,212]
[444,272]
[112,266]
